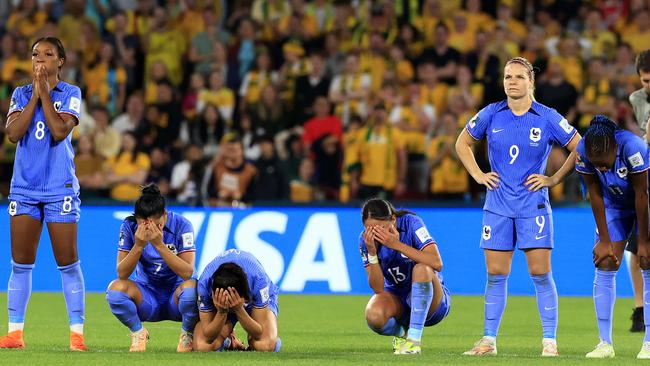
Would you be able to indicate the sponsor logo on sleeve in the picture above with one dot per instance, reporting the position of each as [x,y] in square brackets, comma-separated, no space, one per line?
[13,105]
[636,160]
[566,126]
[121,242]
[423,234]
[264,294]
[188,240]
[75,104]
[472,122]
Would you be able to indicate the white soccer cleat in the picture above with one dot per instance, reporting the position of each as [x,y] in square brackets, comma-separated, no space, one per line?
[602,350]
[645,351]
[549,348]
[486,346]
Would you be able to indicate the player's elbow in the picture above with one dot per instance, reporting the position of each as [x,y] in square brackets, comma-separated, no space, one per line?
[58,136]
[437,265]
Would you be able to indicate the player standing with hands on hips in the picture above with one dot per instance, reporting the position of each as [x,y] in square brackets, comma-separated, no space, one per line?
[44,188]
[520,134]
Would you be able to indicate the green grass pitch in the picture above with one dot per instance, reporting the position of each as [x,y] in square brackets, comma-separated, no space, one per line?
[326,330]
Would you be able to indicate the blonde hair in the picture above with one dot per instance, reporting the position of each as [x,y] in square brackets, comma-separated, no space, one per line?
[531,72]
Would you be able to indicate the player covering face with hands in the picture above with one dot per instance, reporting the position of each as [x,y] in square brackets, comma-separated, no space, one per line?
[403,266]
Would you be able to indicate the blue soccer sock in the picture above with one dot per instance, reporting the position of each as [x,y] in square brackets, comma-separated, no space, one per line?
[278,345]
[496,295]
[546,303]
[421,297]
[391,328]
[187,308]
[74,292]
[124,309]
[604,299]
[646,303]
[18,292]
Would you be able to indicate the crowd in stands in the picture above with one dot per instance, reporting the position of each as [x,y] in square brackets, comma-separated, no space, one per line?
[228,103]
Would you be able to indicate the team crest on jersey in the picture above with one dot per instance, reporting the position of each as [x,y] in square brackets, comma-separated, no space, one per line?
[13,208]
[172,248]
[535,134]
[622,172]
[363,255]
[487,232]
[472,122]
[636,160]
[57,105]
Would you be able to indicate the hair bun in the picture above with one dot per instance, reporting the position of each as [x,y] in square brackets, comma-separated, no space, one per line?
[151,189]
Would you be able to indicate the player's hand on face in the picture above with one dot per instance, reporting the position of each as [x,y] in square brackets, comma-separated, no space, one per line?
[156,233]
[141,236]
[41,79]
[535,182]
[220,300]
[603,250]
[489,179]
[236,301]
[369,239]
[387,236]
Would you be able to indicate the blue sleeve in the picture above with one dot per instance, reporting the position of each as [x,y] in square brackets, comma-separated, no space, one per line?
[261,290]
[561,130]
[72,102]
[479,124]
[583,165]
[126,237]
[205,294]
[18,101]
[419,233]
[363,250]
[185,241]
[635,153]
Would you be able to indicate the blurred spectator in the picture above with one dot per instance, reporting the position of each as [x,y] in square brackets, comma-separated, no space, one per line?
[106,81]
[127,50]
[301,188]
[639,36]
[309,87]
[208,130]
[250,137]
[107,140]
[410,42]
[132,120]
[191,98]
[183,182]
[16,60]
[449,179]
[486,69]
[127,171]
[202,49]
[323,123]
[554,91]
[160,171]
[349,90]
[597,95]
[168,124]
[431,91]
[442,55]
[269,115]
[165,44]
[256,80]
[271,183]
[219,96]
[602,41]
[231,179]
[328,157]
[88,167]
[26,19]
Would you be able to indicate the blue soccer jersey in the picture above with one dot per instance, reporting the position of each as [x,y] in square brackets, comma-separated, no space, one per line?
[518,146]
[631,157]
[395,266]
[262,289]
[151,269]
[44,168]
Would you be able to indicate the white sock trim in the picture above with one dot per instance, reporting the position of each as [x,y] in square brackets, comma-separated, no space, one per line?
[15,326]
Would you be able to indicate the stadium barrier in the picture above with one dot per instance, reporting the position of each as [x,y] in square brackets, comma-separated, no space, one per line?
[315,250]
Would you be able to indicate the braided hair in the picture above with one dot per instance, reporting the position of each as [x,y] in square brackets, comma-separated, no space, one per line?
[599,138]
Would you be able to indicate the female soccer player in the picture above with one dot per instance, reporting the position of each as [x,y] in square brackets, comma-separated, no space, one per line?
[159,245]
[520,133]
[44,188]
[403,267]
[614,165]
[234,287]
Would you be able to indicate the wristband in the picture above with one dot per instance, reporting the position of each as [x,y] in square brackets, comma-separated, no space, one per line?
[372,259]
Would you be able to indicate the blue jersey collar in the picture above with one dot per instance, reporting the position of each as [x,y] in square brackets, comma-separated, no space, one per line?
[533,107]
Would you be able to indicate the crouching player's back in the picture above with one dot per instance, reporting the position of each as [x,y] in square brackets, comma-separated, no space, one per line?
[235,288]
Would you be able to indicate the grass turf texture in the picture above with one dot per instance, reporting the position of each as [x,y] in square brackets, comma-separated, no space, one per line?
[326,330]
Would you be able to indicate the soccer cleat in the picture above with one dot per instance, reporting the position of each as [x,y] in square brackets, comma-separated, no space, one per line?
[602,350]
[408,348]
[139,340]
[185,342]
[77,342]
[549,348]
[398,342]
[645,351]
[13,340]
[637,320]
[486,346]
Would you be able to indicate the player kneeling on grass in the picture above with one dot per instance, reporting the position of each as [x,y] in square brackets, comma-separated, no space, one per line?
[234,287]
[614,165]
[403,267]
[159,245]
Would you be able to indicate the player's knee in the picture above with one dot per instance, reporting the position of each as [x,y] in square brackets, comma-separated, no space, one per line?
[264,345]
[202,346]
[608,264]
[119,285]
[191,283]
[376,317]
[422,273]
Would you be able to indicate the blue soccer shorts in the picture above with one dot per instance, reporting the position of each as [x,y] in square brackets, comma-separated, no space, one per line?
[62,209]
[506,233]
